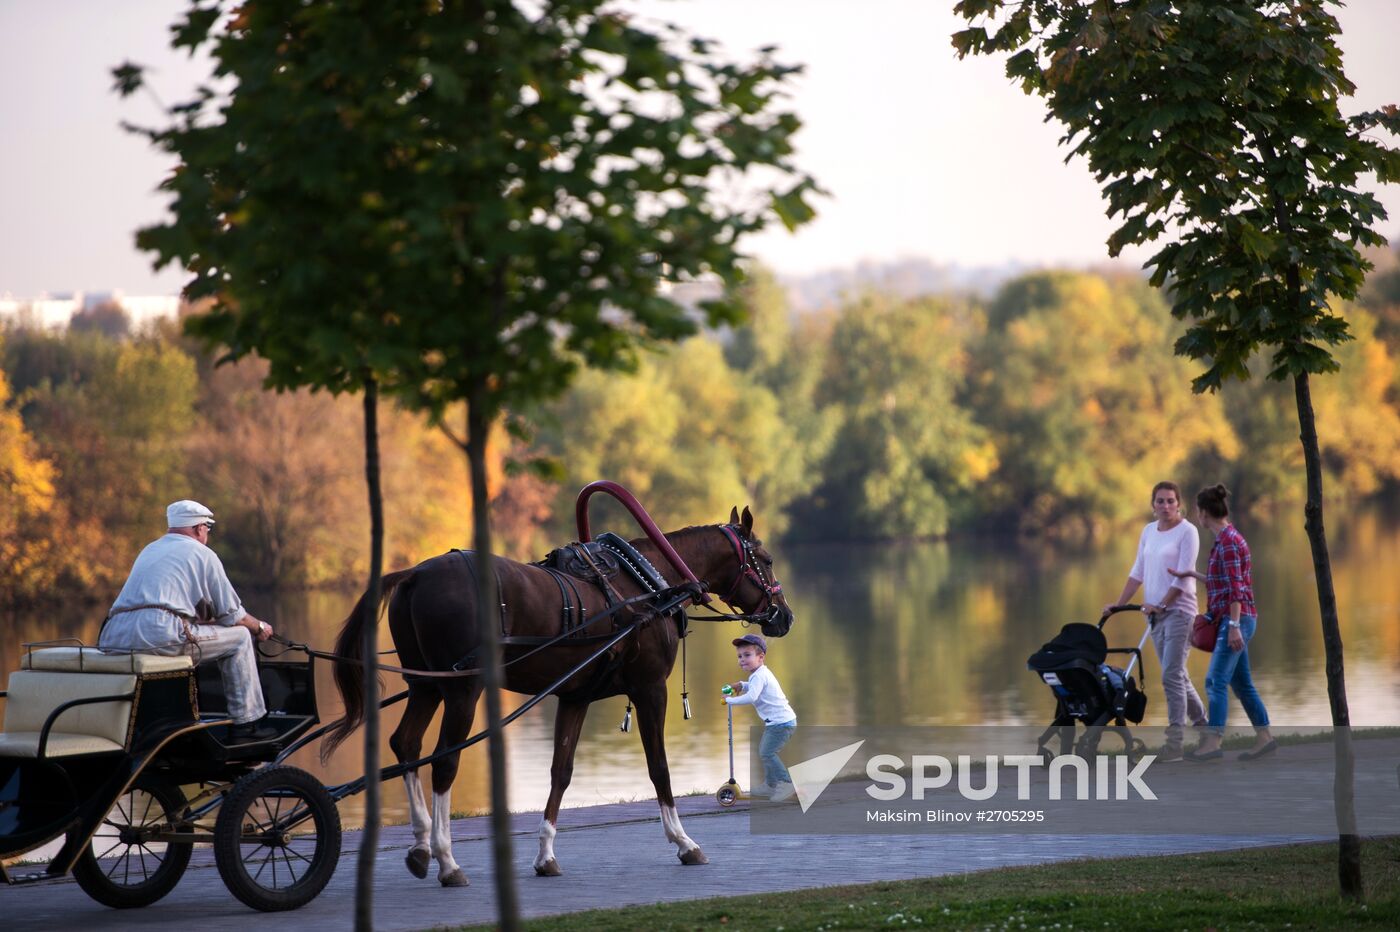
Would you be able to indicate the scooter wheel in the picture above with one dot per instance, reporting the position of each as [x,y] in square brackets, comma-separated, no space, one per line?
[727,795]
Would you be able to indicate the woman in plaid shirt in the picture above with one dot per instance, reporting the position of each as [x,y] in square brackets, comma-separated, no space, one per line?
[1229,596]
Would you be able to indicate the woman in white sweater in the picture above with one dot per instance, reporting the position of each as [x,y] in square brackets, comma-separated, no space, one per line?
[1166,544]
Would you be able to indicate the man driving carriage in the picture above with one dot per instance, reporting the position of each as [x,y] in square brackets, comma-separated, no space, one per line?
[178,600]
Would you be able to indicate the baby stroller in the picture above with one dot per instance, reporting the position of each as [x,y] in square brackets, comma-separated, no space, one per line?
[1088,690]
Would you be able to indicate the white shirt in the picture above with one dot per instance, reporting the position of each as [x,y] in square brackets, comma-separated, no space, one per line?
[1176,548]
[175,578]
[761,690]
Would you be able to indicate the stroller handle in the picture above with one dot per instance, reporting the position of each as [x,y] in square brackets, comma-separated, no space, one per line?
[1115,609]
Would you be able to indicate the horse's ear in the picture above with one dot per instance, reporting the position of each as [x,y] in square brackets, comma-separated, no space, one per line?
[748,520]
[734,515]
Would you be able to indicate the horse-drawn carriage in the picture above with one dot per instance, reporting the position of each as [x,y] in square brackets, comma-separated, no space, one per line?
[130,759]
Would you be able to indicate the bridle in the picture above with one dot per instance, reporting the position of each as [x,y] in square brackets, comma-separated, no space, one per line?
[753,570]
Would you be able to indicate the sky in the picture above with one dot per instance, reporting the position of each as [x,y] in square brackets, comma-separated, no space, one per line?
[924,156]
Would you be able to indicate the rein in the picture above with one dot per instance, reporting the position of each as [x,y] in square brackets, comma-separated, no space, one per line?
[678,594]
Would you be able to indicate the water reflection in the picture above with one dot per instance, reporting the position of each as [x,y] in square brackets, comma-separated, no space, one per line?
[903,634]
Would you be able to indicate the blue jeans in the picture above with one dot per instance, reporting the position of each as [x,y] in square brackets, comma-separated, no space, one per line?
[774,737]
[1229,669]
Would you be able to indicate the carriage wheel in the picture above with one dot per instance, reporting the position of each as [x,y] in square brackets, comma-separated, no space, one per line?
[122,866]
[277,838]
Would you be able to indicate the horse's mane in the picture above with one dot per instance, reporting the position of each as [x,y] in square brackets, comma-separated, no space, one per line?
[689,530]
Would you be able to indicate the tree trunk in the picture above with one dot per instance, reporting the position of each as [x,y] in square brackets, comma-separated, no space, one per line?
[1348,842]
[369,839]
[489,617]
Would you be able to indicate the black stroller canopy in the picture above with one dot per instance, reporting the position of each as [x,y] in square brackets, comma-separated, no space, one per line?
[1076,641]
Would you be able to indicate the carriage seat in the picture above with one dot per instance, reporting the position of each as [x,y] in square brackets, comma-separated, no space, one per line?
[92,660]
[55,675]
[33,695]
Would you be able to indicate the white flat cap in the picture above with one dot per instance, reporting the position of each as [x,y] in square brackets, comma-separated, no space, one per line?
[187,513]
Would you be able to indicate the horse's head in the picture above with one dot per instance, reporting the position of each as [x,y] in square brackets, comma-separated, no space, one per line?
[754,590]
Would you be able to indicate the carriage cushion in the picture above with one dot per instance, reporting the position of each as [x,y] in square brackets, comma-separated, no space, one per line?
[26,744]
[92,660]
[84,729]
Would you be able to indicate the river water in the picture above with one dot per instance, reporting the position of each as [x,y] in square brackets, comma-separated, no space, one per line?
[903,634]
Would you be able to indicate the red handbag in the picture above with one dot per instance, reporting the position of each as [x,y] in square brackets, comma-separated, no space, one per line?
[1204,633]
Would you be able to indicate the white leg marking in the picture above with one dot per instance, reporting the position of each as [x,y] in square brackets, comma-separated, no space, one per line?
[442,833]
[671,824]
[547,833]
[417,811]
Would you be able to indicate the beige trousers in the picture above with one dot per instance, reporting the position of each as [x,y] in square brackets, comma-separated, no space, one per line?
[231,646]
[1171,638]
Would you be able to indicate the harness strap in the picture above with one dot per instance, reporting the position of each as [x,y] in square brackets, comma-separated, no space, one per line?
[388,773]
[633,561]
[679,596]
[609,592]
[566,618]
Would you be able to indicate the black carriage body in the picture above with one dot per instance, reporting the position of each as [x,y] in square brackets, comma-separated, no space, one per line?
[177,734]
[207,755]
[43,798]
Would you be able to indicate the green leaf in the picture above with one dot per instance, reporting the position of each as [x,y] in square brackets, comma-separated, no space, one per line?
[1255,242]
[127,78]
[491,207]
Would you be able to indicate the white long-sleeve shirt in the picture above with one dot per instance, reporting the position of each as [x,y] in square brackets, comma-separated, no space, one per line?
[761,690]
[174,578]
[1157,550]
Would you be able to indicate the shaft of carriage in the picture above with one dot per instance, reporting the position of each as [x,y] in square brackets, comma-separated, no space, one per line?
[676,598]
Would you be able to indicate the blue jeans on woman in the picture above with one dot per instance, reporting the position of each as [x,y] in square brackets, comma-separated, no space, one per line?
[1229,669]
[774,737]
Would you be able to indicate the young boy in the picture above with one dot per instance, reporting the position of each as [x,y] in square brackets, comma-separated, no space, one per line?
[766,696]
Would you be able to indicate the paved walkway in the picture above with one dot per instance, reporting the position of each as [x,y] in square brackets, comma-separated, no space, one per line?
[611,855]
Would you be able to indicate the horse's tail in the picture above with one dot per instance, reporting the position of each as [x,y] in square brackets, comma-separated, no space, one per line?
[349,671]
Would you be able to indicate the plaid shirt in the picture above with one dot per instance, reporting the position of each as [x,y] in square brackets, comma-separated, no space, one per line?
[1227,575]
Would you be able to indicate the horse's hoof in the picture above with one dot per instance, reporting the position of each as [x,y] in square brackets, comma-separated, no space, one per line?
[549,868]
[457,878]
[417,862]
[693,856]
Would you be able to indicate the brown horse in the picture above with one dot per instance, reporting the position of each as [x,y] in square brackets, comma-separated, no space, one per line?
[433,620]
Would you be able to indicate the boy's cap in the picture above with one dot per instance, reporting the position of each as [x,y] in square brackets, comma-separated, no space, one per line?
[755,639]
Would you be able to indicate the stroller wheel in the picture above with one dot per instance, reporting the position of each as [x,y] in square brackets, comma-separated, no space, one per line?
[1088,746]
[1137,750]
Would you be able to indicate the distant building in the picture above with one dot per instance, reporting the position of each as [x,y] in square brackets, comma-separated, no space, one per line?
[54,312]
[149,308]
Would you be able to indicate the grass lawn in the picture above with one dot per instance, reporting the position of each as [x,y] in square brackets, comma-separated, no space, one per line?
[1264,888]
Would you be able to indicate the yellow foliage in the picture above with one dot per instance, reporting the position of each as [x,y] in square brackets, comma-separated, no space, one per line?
[1358,429]
[980,460]
[27,552]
